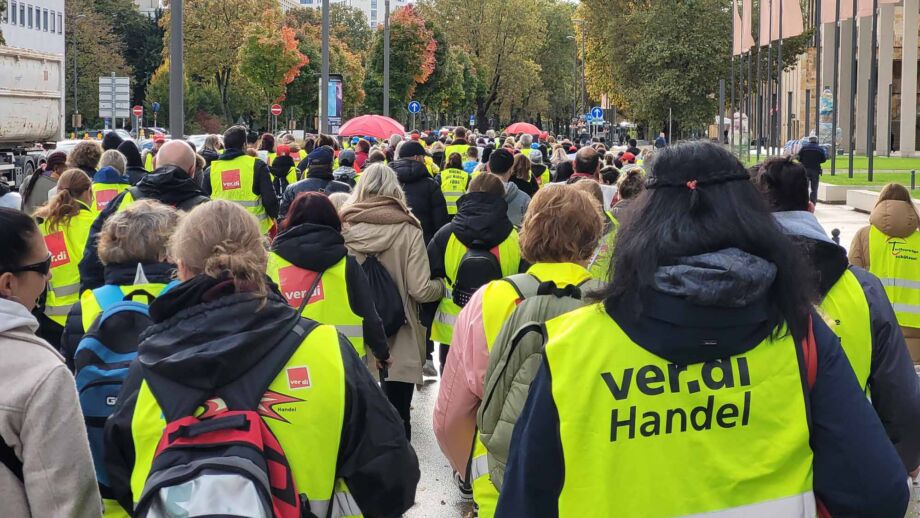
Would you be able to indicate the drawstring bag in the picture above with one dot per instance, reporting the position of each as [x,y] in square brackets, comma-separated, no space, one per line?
[386,295]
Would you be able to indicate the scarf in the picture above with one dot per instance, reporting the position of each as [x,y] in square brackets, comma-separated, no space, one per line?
[382,210]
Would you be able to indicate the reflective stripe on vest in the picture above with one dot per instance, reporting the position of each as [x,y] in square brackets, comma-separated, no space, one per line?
[737,426]
[232,180]
[329,303]
[90,308]
[66,245]
[846,311]
[896,262]
[307,423]
[509,257]
[498,302]
[103,193]
[454,183]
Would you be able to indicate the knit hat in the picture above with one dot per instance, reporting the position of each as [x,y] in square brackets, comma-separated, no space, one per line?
[111,140]
[411,149]
[282,150]
[347,158]
[535,156]
[500,161]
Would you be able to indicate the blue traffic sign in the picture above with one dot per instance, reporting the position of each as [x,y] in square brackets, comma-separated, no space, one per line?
[597,112]
[415,107]
[155,106]
[589,117]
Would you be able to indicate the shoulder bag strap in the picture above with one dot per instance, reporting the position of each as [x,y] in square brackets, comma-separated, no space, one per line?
[9,459]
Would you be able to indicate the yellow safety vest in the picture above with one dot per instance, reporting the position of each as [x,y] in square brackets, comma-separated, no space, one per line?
[454,183]
[846,311]
[292,176]
[456,148]
[271,158]
[148,162]
[735,427]
[509,257]
[432,168]
[66,244]
[543,178]
[896,262]
[103,193]
[328,304]
[307,423]
[498,302]
[232,180]
[600,261]
[90,307]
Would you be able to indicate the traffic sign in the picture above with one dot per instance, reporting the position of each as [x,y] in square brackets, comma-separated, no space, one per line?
[415,107]
[597,112]
[114,97]
[138,110]
[276,109]
[589,117]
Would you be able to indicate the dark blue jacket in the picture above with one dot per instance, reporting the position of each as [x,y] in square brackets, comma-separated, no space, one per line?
[811,155]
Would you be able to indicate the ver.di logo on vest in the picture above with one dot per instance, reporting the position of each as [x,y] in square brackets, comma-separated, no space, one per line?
[295,281]
[900,250]
[230,179]
[652,380]
[58,249]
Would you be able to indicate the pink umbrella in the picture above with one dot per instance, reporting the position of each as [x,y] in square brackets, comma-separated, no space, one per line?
[522,127]
[376,126]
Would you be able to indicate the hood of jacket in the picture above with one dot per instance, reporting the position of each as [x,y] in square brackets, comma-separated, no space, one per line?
[169,184]
[139,273]
[409,171]
[320,171]
[512,191]
[310,246]
[206,333]
[109,174]
[894,218]
[703,308]
[231,153]
[370,238]
[14,315]
[345,170]
[827,259]
[482,220]
[281,166]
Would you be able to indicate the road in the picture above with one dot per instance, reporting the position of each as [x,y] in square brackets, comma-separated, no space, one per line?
[437,495]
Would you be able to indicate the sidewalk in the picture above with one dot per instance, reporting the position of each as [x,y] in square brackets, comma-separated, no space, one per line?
[841,217]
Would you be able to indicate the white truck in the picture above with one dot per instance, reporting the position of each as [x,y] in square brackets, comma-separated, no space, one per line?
[31,109]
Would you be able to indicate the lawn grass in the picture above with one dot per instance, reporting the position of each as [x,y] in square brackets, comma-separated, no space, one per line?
[861,163]
[879,179]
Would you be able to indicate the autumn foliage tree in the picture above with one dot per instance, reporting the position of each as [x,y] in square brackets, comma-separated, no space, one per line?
[270,57]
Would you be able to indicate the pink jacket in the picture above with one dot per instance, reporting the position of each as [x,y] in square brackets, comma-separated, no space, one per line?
[461,386]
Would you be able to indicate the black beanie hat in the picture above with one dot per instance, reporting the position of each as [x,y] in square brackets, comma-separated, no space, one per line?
[111,140]
[500,161]
[132,155]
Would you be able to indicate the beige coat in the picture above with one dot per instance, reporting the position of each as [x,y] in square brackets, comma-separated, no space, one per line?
[401,249]
[896,219]
[40,419]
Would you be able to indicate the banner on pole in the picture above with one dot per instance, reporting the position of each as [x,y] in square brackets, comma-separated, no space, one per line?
[792,19]
[741,39]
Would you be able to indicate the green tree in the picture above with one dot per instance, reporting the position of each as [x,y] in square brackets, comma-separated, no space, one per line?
[141,37]
[201,102]
[556,57]
[349,24]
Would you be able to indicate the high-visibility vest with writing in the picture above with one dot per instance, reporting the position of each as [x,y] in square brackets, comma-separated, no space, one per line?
[736,426]
[66,243]
[846,311]
[498,302]
[508,254]
[896,262]
[305,409]
[329,302]
[103,193]
[232,180]
[599,266]
[454,183]
[461,149]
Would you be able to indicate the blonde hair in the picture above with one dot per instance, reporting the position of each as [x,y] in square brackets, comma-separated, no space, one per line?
[66,204]
[559,155]
[339,199]
[378,180]
[211,143]
[562,225]
[138,234]
[520,168]
[218,239]
[114,159]
[592,188]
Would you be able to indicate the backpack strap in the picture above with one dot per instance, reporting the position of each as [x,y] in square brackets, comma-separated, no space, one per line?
[108,295]
[309,293]
[810,354]
[9,459]
[525,284]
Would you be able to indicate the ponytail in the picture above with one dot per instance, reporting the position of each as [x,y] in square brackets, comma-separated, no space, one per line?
[65,204]
[27,192]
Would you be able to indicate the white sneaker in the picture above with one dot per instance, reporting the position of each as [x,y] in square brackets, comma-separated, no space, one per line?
[466,491]
[429,370]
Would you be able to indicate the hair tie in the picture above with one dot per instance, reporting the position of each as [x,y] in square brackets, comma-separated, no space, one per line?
[691,185]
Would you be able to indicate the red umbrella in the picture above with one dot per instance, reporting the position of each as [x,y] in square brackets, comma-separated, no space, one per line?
[376,126]
[522,127]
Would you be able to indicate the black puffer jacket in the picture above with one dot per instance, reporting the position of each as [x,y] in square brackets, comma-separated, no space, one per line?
[168,184]
[207,335]
[423,195]
[319,179]
[481,223]
[318,247]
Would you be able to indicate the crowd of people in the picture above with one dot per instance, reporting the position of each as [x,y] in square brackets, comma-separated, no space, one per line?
[239,331]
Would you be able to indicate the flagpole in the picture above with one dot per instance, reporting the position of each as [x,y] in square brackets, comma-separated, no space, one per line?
[819,88]
[731,81]
[779,83]
[759,98]
[768,97]
[835,109]
[750,104]
[873,90]
[851,142]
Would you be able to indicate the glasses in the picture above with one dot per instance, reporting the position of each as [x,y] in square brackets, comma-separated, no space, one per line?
[42,268]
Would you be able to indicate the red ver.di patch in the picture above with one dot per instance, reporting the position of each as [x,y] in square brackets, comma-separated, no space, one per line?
[294,283]
[298,377]
[58,248]
[230,179]
[103,198]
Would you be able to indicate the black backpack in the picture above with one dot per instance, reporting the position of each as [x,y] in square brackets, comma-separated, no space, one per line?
[477,268]
[386,296]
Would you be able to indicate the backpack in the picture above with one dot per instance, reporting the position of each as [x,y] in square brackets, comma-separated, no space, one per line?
[477,268]
[515,358]
[386,295]
[227,463]
[102,359]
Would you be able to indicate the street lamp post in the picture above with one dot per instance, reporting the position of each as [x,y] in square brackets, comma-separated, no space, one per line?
[574,85]
[76,121]
[386,58]
[176,71]
[324,86]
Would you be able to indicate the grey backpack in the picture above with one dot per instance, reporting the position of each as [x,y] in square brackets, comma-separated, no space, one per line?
[515,359]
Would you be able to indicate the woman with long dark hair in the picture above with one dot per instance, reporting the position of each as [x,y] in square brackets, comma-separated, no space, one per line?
[704,355]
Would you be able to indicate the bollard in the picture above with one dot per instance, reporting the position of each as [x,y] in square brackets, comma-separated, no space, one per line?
[913,179]
[835,235]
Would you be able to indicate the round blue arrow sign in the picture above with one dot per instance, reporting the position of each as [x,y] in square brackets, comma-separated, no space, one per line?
[597,112]
[415,107]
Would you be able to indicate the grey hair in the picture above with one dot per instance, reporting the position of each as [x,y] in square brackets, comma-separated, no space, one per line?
[138,234]
[395,139]
[525,140]
[113,158]
[378,180]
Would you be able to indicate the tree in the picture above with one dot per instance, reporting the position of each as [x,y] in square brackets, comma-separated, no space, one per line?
[213,29]
[558,65]
[270,60]
[141,37]
[2,11]
[201,102]
[99,53]
[349,24]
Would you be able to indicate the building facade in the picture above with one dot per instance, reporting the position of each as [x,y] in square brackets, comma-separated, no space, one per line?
[34,24]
